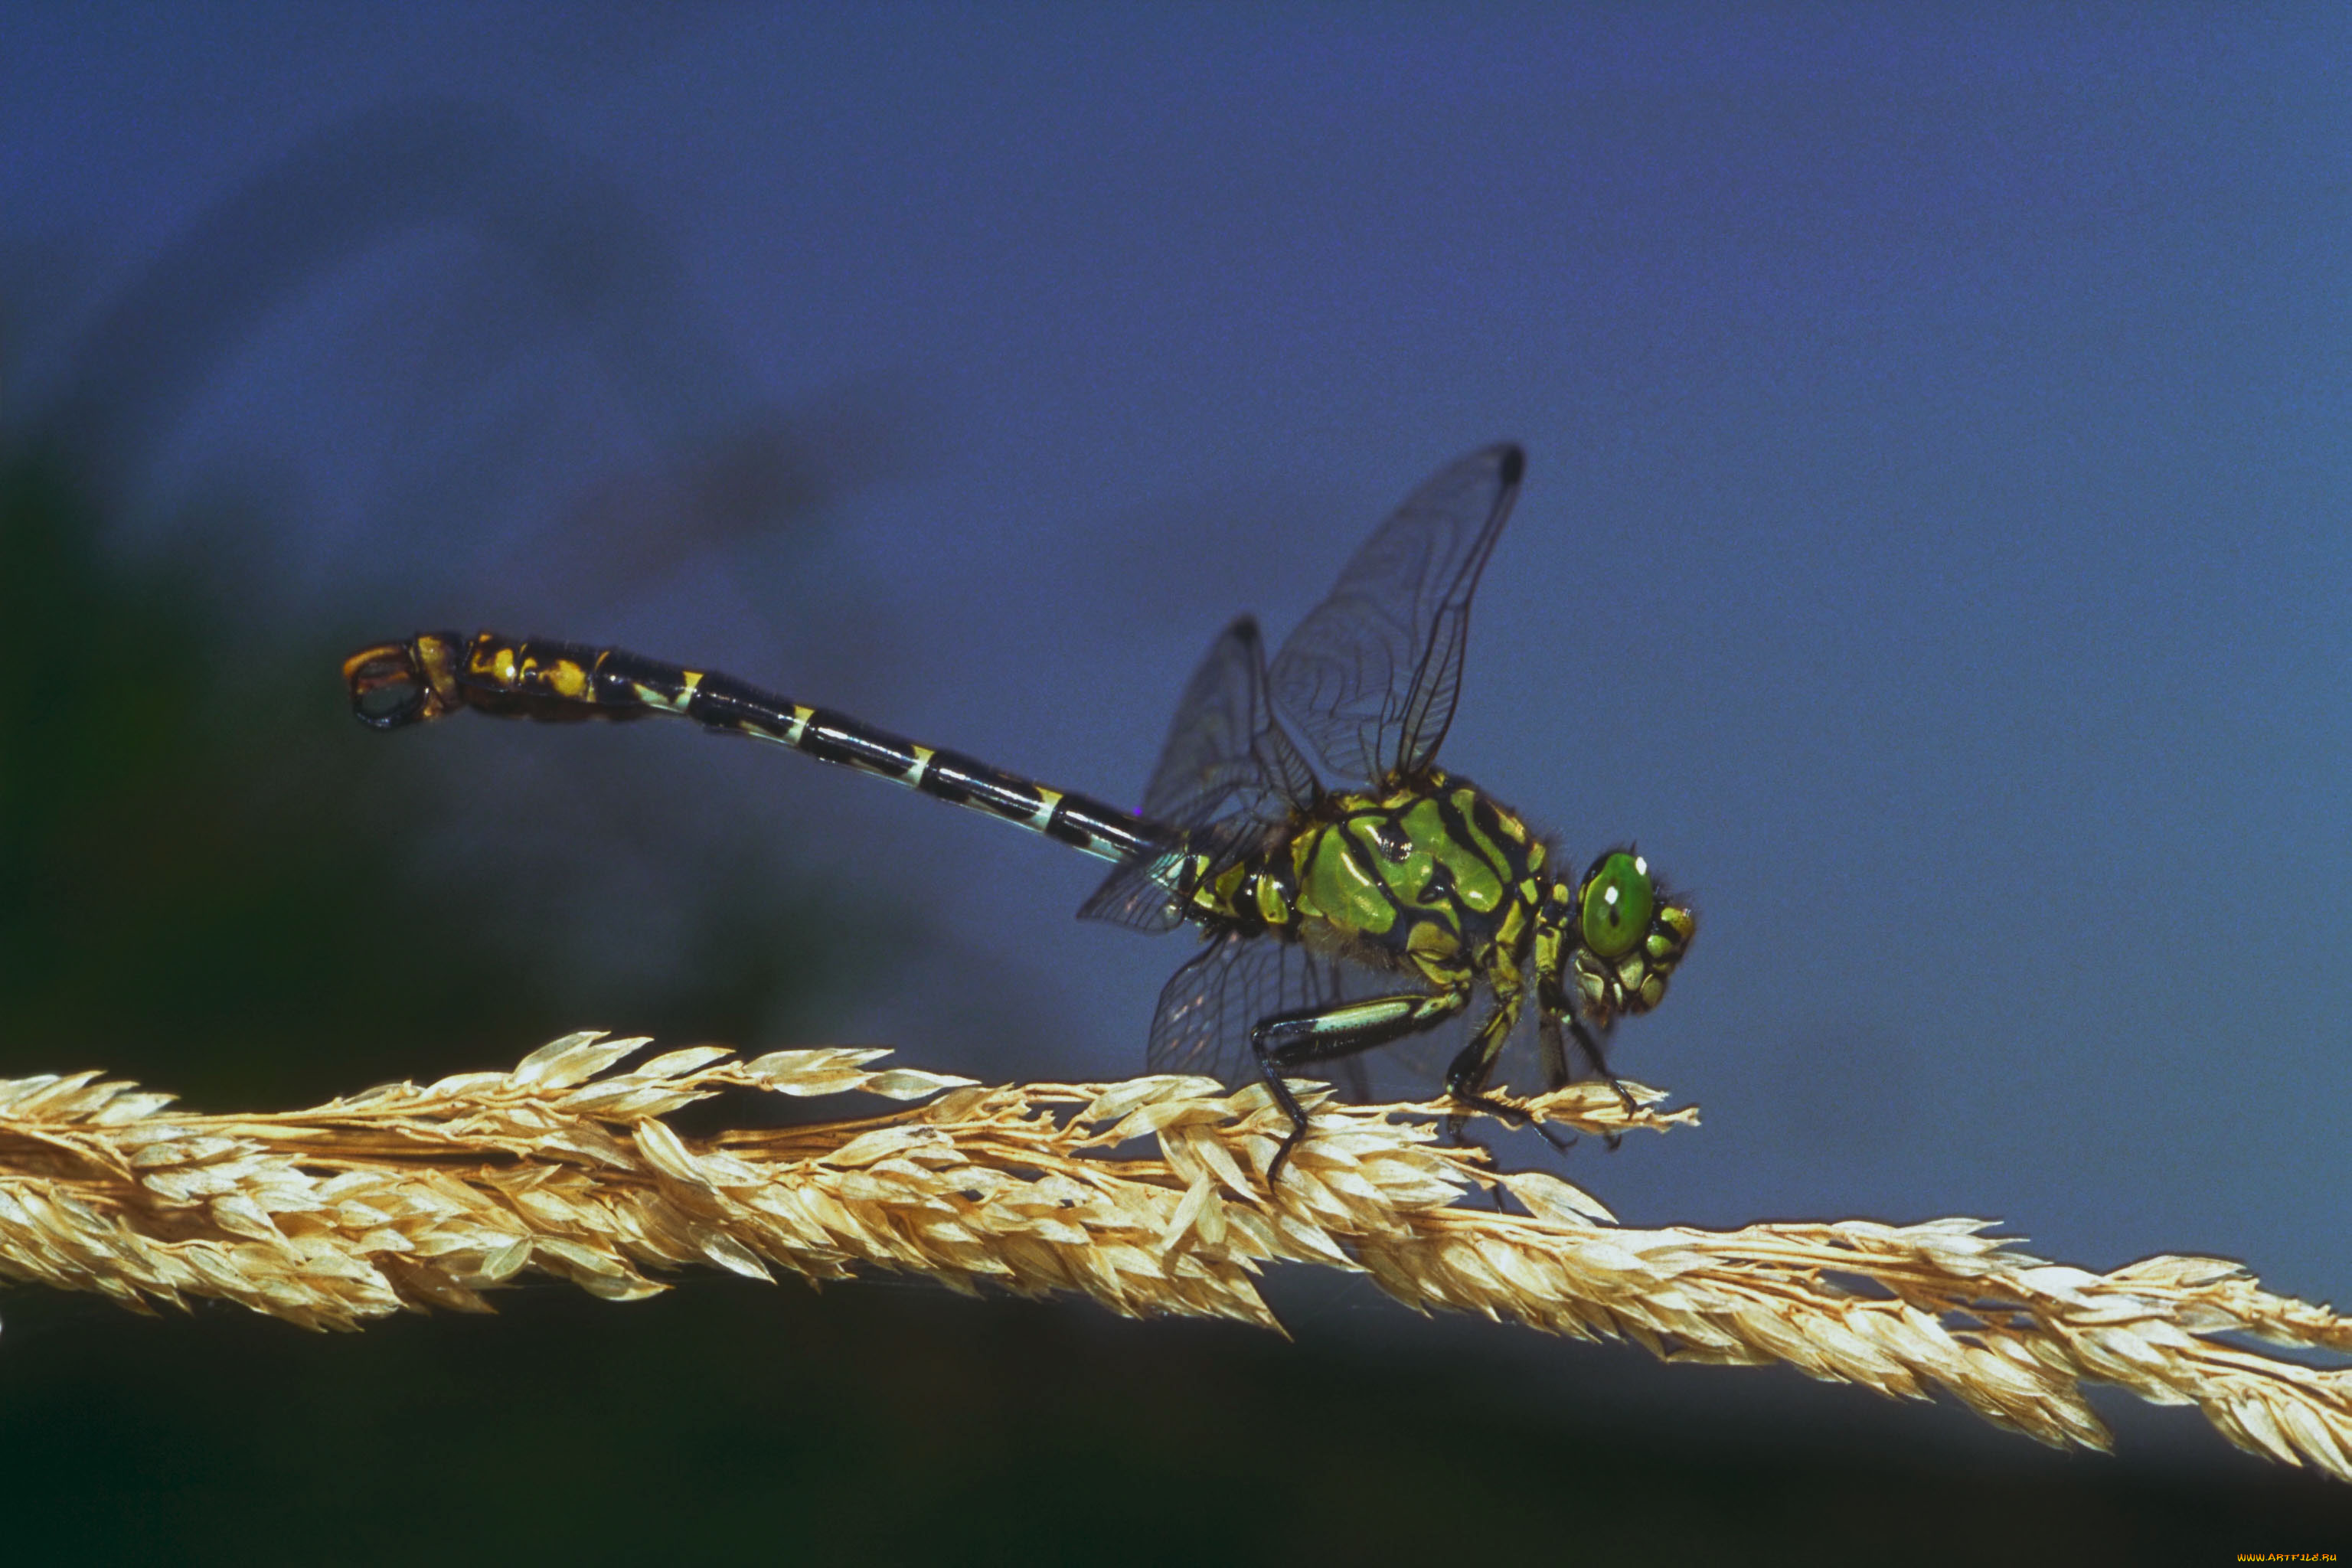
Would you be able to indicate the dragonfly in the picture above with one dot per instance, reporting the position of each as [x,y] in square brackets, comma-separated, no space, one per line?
[1333,918]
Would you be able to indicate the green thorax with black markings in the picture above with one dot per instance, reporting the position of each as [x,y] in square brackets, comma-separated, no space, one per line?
[1427,872]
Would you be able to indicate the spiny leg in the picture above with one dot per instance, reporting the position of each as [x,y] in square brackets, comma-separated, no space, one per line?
[1590,1049]
[1555,1061]
[1290,1040]
[1556,1009]
[1554,1056]
[1465,1079]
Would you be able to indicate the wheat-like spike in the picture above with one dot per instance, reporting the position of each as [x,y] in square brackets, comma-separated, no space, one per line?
[408,1197]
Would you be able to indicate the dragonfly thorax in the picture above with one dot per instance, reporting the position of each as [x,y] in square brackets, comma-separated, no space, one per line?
[1426,873]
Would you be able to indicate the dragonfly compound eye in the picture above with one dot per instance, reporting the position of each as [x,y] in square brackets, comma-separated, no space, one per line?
[1632,937]
[1617,900]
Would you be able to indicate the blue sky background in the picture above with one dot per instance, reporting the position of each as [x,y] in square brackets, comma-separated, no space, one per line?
[1934,547]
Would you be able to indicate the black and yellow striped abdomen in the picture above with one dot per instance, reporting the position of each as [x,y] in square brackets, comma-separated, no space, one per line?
[436,673]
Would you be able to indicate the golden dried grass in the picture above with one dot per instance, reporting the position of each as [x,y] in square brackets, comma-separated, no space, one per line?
[408,1197]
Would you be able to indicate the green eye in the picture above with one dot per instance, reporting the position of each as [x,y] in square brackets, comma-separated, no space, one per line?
[1619,898]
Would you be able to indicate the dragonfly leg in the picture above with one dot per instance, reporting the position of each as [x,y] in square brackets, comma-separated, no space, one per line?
[1552,1040]
[1590,1048]
[1465,1079]
[1292,1040]
[1556,1008]
[1554,1060]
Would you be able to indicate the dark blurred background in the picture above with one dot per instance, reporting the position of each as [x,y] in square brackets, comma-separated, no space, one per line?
[1935,549]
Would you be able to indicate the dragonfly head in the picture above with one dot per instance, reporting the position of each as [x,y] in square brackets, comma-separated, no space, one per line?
[1630,936]
[398,683]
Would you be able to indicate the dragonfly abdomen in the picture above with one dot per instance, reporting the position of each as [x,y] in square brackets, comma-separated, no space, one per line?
[1257,894]
[436,673]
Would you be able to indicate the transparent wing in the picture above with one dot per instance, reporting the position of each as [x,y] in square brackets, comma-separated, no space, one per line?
[1209,1006]
[1370,675]
[1225,753]
[1225,774]
[1142,894]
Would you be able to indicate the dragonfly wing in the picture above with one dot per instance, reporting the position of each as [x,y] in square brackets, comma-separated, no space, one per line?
[1208,1006]
[1226,772]
[1370,675]
[1225,753]
[1139,896]
[1147,894]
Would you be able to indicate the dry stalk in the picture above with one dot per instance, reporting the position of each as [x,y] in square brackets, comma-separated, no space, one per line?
[408,1197]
